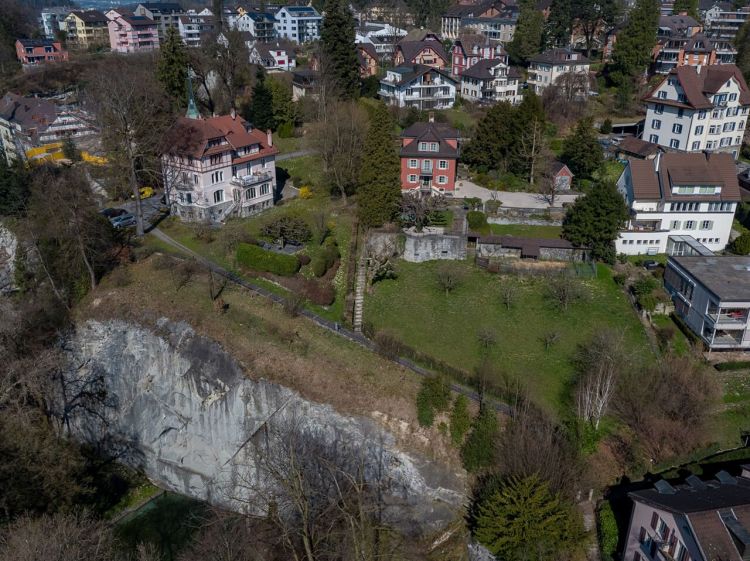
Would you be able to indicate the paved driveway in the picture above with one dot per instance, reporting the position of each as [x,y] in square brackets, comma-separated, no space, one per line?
[510,199]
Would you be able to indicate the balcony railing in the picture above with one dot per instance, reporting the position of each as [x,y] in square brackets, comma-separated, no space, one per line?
[251,179]
[736,318]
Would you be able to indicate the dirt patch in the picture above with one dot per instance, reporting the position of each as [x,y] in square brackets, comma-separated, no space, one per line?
[269,344]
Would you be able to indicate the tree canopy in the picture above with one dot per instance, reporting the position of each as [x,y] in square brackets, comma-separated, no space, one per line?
[595,220]
[632,52]
[527,38]
[582,152]
[521,519]
[260,110]
[172,67]
[339,55]
[379,191]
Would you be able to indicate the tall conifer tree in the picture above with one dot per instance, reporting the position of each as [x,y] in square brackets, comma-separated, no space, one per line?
[338,50]
[379,191]
[172,67]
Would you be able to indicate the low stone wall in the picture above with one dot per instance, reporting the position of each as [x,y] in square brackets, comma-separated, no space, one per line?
[529,216]
[416,247]
[496,250]
[561,254]
[429,246]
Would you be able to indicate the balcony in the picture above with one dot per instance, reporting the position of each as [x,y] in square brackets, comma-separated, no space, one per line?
[251,179]
[730,318]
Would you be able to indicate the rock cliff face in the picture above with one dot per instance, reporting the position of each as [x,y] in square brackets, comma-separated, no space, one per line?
[8,248]
[195,419]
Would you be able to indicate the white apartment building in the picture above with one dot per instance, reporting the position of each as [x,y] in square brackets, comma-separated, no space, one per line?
[259,25]
[546,68]
[712,295]
[194,28]
[698,108]
[419,86]
[490,81]
[678,196]
[218,167]
[50,20]
[165,14]
[300,24]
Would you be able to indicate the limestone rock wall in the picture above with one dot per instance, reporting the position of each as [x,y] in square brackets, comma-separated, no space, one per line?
[192,417]
[8,249]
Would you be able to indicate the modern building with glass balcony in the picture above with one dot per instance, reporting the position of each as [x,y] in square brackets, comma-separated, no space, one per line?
[419,86]
[712,295]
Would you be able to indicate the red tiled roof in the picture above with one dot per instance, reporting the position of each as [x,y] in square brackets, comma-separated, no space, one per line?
[699,85]
[684,169]
[189,137]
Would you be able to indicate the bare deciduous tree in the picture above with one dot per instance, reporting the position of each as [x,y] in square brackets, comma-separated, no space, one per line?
[449,277]
[531,147]
[324,499]
[599,363]
[133,112]
[563,290]
[416,210]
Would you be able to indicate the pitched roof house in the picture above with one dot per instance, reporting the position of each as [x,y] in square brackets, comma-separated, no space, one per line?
[697,521]
[547,67]
[39,51]
[87,28]
[218,167]
[165,14]
[277,55]
[490,81]
[428,51]
[678,195]
[419,86]
[469,49]
[429,156]
[194,28]
[495,19]
[368,60]
[695,109]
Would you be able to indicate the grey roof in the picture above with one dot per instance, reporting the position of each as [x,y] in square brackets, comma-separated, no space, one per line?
[162,7]
[32,114]
[727,277]
[560,56]
[38,42]
[409,72]
[90,16]
[411,49]
[481,70]
[431,132]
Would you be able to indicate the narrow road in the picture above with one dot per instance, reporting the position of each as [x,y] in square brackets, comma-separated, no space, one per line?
[334,327]
[297,154]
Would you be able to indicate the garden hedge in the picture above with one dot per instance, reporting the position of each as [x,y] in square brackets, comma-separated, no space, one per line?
[736,365]
[257,258]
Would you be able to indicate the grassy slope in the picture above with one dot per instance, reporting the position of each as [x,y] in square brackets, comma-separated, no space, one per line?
[524,230]
[417,311]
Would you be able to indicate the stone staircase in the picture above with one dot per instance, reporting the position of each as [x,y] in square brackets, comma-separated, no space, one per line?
[359,292]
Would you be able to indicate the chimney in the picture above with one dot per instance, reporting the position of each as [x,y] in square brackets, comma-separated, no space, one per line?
[431,116]
[270,137]
[657,161]
[233,113]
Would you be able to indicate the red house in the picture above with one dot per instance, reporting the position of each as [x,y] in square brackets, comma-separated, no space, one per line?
[429,154]
[470,49]
[37,51]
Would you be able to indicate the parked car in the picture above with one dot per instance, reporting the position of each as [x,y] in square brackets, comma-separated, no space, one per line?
[650,265]
[123,221]
[145,193]
[113,212]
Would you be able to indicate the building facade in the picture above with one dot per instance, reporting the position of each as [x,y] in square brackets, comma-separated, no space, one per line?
[490,81]
[428,51]
[421,87]
[700,520]
[467,50]
[300,24]
[694,109]
[218,167]
[194,28]
[165,14]
[33,122]
[278,55]
[87,29]
[40,51]
[368,60]
[260,25]
[712,296]
[678,194]
[52,21]
[494,19]
[130,33]
[545,69]
[429,156]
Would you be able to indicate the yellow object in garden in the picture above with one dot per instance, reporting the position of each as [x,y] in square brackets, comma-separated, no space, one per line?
[46,153]
[92,159]
[305,192]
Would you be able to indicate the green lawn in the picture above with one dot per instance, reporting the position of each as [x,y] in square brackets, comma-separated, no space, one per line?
[219,249]
[610,172]
[527,231]
[414,309]
[679,344]
[306,168]
[286,145]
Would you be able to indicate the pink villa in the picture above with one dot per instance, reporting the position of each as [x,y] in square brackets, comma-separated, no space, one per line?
[429,154]
[131,34]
